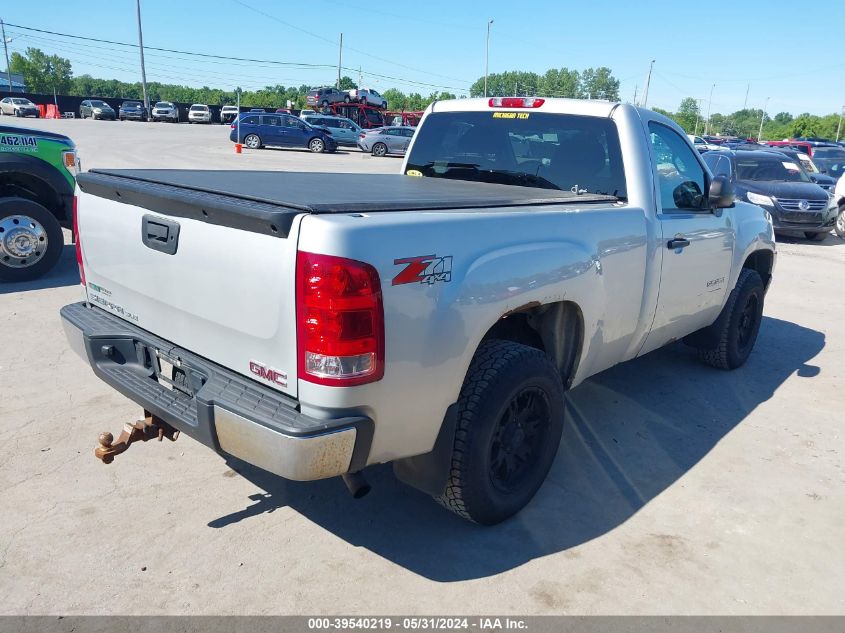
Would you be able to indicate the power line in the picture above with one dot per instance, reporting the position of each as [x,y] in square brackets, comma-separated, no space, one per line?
[301,65]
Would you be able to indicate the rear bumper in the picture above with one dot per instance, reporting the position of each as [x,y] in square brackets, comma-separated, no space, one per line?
[229,413]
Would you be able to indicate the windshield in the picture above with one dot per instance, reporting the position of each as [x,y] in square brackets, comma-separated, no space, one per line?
[100,104]
[196,108]
[769,168]
[131,104]
[22,102]
[833,167]
[164,104]
[531,149]
[828,152]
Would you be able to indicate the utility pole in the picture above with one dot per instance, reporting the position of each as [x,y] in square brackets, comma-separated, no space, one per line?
[487,56]
[745,103]
[647,82]
[339,60]
[839,127]
[6,49]
[636,87]
[762,118]
[709,105]
[697,116]
[360,77]
[143,69]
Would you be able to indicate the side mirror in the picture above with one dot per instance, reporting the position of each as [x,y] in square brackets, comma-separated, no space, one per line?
[721,194]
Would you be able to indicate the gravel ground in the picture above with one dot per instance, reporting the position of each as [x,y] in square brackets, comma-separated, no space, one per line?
[678,489]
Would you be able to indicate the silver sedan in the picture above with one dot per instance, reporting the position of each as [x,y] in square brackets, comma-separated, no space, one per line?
[386,140]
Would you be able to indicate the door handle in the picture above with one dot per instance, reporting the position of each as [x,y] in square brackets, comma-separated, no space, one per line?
[678,242]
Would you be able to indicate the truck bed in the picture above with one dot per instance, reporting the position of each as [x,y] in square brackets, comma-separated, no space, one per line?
[266,202]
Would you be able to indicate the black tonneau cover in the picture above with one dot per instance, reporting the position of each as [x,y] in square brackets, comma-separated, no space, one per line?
[267,201]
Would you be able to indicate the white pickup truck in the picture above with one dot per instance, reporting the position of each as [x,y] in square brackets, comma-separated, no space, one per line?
[314,324]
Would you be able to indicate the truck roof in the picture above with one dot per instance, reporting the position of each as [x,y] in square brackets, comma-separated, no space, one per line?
[267,202]
[552,105]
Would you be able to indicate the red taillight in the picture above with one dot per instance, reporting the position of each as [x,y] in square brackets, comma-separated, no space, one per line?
[515,102]
[78,239]
[234,127]
[340,321]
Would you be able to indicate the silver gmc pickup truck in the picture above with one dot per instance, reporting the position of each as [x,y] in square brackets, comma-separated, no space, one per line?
[314,324]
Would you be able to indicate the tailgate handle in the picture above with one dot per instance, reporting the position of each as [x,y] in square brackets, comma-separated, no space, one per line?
[160,234]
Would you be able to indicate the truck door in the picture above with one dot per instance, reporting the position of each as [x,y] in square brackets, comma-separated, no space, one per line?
[698,242]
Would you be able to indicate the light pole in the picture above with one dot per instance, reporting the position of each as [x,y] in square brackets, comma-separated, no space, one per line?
[762,118]
[339,60]
[647,82]
[839,127]
[143,69]
[697,116]
[709,104]
[6,49]
[487,56]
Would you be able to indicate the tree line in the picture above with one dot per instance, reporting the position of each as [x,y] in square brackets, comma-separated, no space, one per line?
[745,123]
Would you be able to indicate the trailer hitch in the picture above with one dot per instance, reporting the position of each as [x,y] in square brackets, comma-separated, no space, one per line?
[151,427]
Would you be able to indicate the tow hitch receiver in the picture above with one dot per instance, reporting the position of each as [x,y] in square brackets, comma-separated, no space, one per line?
[151,427]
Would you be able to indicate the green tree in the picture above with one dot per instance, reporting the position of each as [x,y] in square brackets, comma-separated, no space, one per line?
[688,115]
[42,73]
[346,83]
[599,83]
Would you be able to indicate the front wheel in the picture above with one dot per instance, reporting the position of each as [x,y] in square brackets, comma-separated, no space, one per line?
[379,149]
[30,239]
[252,141]
[346,99]
[816,237]
[316,145]
[727,343]
[510,419]
[840,223]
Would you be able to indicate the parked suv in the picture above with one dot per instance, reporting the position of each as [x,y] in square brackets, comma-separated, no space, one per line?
[779,185]
[368,96]
[281,130]
[18,106]
[96,109]
[166,111]
[199,113]
[344,131]
[322,97]
[228,113]
[134,110]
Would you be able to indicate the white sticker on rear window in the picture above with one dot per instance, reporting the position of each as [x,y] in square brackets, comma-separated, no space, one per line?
[791,166]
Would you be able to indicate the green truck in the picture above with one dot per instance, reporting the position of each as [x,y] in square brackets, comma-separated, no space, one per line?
[37,179]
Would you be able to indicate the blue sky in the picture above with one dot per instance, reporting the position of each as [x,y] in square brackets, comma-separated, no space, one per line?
[437,45]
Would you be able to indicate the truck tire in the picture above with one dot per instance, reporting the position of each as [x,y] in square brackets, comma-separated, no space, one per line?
[840,223]
[31,239]
[509,424]
[735,331]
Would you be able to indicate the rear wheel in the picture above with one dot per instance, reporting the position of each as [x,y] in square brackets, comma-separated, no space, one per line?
[510,418]
[325,104]
[346,99]
[316,145]
[30,239]
[252,141]
[816,237]
[731,338]
[379,149]
[840,223]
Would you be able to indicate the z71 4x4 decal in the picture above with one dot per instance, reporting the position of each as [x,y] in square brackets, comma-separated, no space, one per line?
[425,269]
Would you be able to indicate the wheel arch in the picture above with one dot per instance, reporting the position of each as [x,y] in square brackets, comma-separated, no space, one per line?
[763,261]
[30,178]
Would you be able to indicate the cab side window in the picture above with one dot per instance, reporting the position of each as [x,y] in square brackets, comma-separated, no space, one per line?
[681,178]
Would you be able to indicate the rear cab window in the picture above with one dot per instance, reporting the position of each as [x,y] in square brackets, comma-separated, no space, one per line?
[529,149]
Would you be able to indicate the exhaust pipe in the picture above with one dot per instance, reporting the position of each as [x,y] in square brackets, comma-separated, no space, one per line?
[356,484]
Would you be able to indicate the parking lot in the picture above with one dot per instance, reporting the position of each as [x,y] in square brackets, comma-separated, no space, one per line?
[678,489]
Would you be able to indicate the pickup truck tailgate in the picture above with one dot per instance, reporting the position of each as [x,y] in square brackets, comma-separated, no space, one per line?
[210,274]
